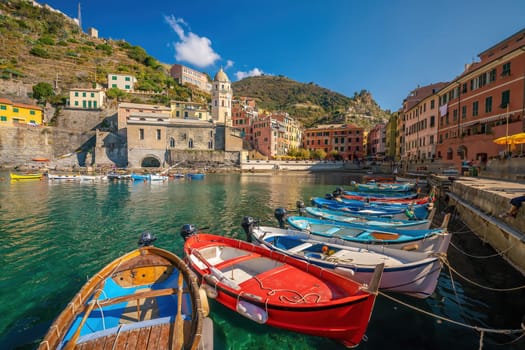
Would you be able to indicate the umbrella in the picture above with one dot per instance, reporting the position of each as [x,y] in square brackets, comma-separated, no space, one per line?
[518,138]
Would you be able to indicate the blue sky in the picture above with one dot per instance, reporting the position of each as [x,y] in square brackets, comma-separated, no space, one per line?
[388,47]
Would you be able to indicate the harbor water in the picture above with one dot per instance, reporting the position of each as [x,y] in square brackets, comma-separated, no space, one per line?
[55,235]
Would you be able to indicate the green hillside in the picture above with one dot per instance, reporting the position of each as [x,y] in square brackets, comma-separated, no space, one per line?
[311,103]
[40,45]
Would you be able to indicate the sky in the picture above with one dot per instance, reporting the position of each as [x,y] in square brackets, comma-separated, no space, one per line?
[388,47]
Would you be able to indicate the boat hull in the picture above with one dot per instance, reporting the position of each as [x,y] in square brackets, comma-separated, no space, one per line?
[138,291]
[334,306]
[14,176]
[411,273]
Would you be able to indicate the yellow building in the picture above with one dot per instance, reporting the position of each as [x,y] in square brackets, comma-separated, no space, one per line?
[189,110]
[13,113]
[86,98]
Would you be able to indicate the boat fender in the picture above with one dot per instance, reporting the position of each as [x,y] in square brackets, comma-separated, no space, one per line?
[203,293]
[253,312]
[343,271]
[410,214]
[411,247]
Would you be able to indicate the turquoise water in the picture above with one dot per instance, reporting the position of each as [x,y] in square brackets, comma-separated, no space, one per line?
[53,236]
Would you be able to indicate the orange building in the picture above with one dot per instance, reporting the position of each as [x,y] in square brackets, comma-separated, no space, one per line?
[346,139]
[484,103]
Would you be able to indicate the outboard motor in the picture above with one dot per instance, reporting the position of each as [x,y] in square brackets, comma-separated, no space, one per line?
[280,214]
[338,192]
[300,208]
[329,196]
[247,224]
[187,231]
[146,239]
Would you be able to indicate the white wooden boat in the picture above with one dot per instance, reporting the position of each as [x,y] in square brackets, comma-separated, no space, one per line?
[412,273]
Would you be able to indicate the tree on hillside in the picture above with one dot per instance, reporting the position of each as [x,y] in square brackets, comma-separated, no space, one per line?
[43,92]
[115,93]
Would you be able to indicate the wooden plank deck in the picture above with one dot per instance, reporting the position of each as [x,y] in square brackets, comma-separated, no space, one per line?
[158,337]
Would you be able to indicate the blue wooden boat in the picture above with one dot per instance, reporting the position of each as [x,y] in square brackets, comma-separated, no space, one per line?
[140,177]
[365,235]
[196,176]
[382,195]
[363,220]
[149,291]
[388,187]
[397,211]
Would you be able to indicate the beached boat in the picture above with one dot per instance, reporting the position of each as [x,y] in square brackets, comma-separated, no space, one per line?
[382,195]
[149,177]
[407,272]
[93,178]
[118,176]
[256,283]
[29,176]
[396,238]
[158,177]
[339,216]
[148,292]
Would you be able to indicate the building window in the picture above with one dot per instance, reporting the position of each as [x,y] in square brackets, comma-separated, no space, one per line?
[210,144]
[113,85]
[492,75]
[463,112]
[475,109]
[505,98]
[3,118]
[92,94]
[15,110]
[158,134]
[76,93]
[127,87]
[172,142]
[432,104]
[488,104]
[455,114]
[76,103]
[190,143]
[506,69]
[114,77]
[432,121]
[127,79]
[141,134]
[83,94]
[32,112]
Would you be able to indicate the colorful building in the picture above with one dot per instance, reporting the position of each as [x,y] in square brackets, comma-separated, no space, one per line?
[14,113]
[189,110]
[345,139]
[86,98]
[376,141]
[126,109]
[221,99]
[185,75]
[484,103]
[122,81]
[420,123]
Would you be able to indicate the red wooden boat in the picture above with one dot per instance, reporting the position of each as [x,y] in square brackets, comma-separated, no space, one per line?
[272,288]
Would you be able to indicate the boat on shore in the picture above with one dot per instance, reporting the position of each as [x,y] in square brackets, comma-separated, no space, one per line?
[64,177]
[411,273]
[149,291]
[28,176]
[255,282]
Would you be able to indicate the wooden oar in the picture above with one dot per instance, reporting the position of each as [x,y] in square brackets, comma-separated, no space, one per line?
[178,332]
[72,342]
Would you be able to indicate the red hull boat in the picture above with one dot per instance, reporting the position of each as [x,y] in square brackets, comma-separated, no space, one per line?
[272,288]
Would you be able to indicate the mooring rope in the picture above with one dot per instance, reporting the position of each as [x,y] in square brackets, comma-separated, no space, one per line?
[497,254]
[442,318]
[300,298]
[445,261]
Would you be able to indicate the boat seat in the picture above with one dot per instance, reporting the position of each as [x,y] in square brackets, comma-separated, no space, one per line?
[300,247]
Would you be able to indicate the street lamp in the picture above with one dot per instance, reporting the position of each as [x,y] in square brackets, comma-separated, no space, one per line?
[507,132]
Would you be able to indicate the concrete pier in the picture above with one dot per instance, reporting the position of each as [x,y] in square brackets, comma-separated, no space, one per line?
[479,202]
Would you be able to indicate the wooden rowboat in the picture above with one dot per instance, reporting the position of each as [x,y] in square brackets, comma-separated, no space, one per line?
[408,272]
[272,288]
[33,176]
[147,299]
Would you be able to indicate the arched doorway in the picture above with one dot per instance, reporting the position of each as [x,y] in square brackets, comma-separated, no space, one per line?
[462,152]
[150,162]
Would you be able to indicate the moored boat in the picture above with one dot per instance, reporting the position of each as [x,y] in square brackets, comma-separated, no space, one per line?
[64,177]
[255,282]
[420,240]
[407,272]
[148,291]
[196,176]
[363,220]
[28,176]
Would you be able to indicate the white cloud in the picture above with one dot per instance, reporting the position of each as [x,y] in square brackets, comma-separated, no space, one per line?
[251,73]
[191,48]
[229,64]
